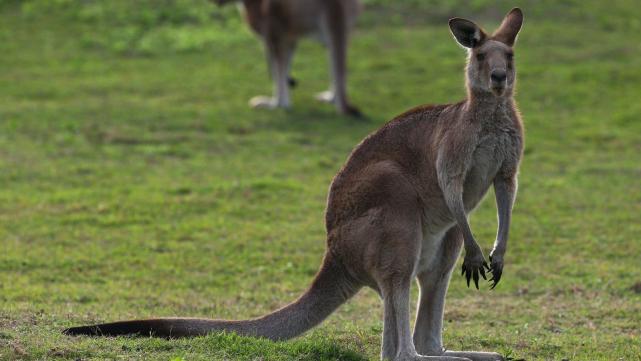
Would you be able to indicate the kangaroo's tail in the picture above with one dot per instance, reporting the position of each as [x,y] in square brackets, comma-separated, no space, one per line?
[331,287]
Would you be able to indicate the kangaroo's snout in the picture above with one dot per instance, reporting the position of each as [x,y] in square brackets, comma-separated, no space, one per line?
[499,81]
[498,76]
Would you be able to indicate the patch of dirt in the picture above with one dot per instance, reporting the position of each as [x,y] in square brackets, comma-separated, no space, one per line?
[18,350]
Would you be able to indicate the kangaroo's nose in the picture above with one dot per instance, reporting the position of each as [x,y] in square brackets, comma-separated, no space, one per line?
[498,76]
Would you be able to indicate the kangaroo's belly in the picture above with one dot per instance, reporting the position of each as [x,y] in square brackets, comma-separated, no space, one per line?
[430,249]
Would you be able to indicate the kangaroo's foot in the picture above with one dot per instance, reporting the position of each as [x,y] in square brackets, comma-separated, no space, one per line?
[475,355]
[417,357]
[266,102]
[326,97]
[351,111]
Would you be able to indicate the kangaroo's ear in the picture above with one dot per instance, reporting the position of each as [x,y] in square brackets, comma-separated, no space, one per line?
[466,32]
[510,27]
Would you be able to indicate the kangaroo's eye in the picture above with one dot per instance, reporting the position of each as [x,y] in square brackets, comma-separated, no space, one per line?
[510,56]
[480,57]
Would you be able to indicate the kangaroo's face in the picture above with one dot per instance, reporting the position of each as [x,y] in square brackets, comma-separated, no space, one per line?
[491,58]
[491,67]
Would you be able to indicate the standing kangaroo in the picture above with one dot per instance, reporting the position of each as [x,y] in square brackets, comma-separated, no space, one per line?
[281,23]
[398,209]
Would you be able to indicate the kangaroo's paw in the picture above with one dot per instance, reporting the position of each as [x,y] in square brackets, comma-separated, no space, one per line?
[475,355]
[266,102]
[326,97]
[473,265]
[496,266]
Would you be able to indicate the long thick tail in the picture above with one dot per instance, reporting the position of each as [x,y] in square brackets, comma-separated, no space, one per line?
[331,288]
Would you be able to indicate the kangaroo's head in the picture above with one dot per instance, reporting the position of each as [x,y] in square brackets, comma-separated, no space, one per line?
[490,67]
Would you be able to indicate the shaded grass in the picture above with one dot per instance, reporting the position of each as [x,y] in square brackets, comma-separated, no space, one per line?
[134,186]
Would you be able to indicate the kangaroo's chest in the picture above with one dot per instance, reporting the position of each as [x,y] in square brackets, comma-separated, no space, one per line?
[493,149]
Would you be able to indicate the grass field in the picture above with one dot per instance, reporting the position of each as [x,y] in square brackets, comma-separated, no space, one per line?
[135,181]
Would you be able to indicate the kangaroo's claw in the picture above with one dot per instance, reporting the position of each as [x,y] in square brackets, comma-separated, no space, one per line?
[497,271]
[471,269]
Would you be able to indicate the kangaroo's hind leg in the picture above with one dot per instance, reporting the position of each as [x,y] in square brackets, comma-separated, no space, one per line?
[399,242]
[397,341]
[433,282]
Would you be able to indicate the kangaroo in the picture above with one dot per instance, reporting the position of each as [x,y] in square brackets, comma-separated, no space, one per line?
[281,23]
[398,210]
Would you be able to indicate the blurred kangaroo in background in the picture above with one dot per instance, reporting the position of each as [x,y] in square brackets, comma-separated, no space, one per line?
[281,23]
[398,210]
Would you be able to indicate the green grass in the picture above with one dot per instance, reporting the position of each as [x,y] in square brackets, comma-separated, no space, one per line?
[135,181]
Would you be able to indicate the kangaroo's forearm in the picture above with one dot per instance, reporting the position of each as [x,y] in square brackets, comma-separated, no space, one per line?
[505,191]
[454,200]
[451,177]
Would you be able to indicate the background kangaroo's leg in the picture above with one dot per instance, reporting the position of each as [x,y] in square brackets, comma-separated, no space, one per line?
[336,30]
[280,56]
[291,81]
[326,96]
[433,284]
[279,52]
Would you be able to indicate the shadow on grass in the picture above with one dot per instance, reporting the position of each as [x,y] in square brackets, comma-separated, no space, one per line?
[314,121]
[235,347]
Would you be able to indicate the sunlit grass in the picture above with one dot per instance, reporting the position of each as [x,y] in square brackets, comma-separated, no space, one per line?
[138,183]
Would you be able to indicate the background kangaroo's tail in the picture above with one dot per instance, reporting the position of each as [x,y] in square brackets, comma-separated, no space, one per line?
[331,288]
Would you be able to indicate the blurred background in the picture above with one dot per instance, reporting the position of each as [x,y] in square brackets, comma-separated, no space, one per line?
[135,181]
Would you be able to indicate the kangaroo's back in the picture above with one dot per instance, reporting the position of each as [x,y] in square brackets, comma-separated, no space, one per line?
[410,140]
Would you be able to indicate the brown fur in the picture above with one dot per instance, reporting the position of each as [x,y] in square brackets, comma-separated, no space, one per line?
[398,210]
